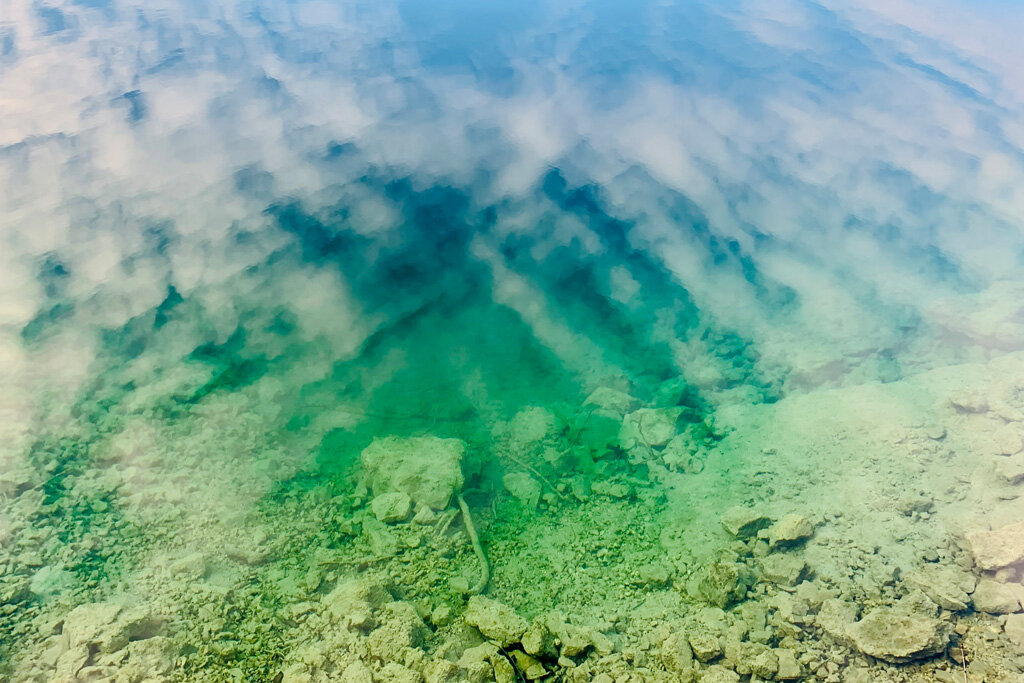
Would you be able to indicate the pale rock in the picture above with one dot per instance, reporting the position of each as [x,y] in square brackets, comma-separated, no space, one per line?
[789,666]
[151,657]
[495,620]
[612,401]
[401,629]
[393,507]
[1010,470]
[946,585]
[484,652]
[968,402]
[1014,629]
[995,598]
[530,667]
[720,584]
[904,633]
[107,627]
[503,670]
[393,672]
[523,488]
[998,548]
[784,570]
[655,574]
[424,516]
[652,427]
[1007,440]
[719,674]
[836,617]
[357,672]
[790,530]
[764,664]
[354,602]
[441,671]
[427,469]
[705,646]
[192,566]
[610,489]
[744,522]
[676,654]
[539,641]
[382,542]
[530,426]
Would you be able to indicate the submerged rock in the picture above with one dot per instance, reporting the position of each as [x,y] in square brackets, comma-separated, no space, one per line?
[995,598]
[427,469]
[652,427]
[784,570]
[790,530]
[998,548]
[495,620]
[744,522]
[523,488]
[391,507]
[947,586]
[901,634]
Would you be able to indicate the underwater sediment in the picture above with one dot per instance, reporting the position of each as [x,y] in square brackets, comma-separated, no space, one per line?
[423,342]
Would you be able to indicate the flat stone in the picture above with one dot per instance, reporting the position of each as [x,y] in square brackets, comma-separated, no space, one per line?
[995,598]
[744,522]
[998,548]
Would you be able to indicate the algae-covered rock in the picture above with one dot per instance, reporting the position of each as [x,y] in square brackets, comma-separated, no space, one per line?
[495,620]
[998,548]
[427,469]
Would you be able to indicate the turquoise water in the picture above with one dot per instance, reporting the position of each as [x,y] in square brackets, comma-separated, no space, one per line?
[689,333]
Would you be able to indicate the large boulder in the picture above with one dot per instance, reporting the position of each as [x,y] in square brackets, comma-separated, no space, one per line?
[426,468]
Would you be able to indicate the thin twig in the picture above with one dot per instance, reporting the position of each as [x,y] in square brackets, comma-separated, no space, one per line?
[963,660]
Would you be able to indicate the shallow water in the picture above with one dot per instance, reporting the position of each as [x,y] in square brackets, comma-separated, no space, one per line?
[639,265]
